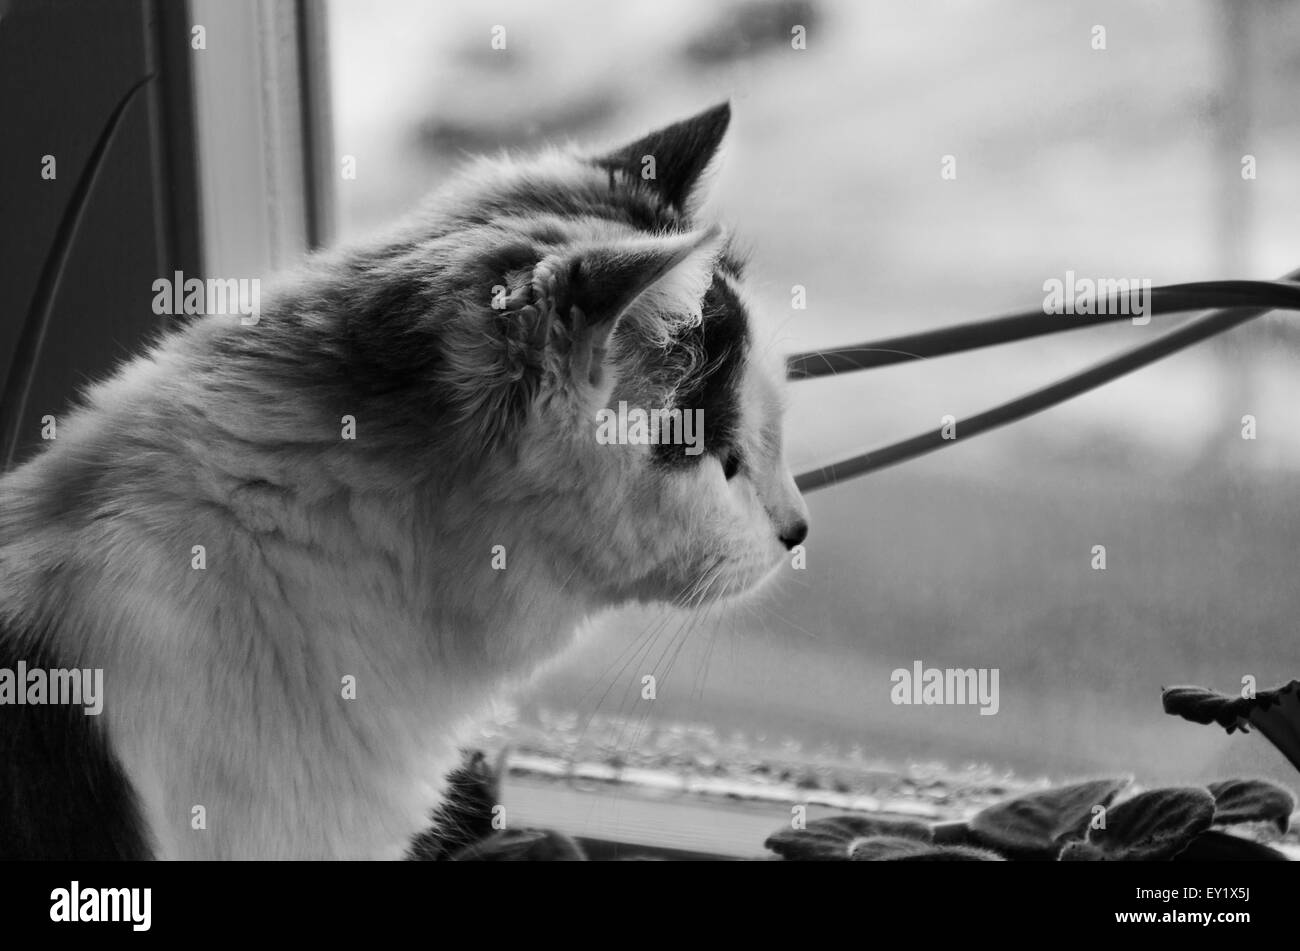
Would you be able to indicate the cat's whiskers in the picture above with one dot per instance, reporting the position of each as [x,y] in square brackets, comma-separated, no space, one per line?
[685,633]
[772,612]
[637,646]
[690,621]
[631,692]
[702,675]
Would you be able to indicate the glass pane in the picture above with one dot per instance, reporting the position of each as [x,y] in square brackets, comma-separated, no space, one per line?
[1166,147]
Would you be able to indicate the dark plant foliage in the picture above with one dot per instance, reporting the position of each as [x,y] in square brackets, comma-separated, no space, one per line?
[465,817]
[1274,713]
[1085,821]
[1153,826]
[1033,827]
[522,845]
[1080,822]
[833,839]
[1239,801]
[885,848]
[462,827]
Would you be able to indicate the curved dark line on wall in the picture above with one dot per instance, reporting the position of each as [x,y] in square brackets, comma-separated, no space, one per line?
[32,340]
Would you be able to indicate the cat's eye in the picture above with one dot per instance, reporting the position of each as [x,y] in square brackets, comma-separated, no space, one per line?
[731,464]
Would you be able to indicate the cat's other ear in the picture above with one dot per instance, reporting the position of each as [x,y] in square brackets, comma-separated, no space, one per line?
[677,154]
[660,282]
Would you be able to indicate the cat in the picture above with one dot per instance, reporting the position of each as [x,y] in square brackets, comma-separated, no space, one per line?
[306,552]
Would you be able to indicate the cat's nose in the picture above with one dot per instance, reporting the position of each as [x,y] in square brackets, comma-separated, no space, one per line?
[794,534]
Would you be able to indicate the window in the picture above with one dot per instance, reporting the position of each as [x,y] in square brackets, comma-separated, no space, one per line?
[1123,161]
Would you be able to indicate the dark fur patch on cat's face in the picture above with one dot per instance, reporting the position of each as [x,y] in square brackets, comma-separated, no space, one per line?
[703,369]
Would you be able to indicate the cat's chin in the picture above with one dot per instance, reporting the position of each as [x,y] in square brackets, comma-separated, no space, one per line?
[742,584]
[707,585]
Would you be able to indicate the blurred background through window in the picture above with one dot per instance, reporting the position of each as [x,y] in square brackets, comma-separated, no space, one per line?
[1122,162]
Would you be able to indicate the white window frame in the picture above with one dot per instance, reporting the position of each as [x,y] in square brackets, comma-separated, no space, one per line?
[263,134]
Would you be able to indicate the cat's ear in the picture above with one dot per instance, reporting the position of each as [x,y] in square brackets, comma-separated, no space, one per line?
[660,281]
[671,160]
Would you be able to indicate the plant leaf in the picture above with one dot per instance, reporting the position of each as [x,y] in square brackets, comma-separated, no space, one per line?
[1201,705]
[522,845]
[1154,826]
[1275,713]
[1032,826]
[891,848]
[1252,800]
[1279,720]
[465,815]
[1216,846]
[825,840]
[950,833]
[1081,852]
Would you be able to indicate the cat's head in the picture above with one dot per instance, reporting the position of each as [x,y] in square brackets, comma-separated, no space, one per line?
[599,377]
